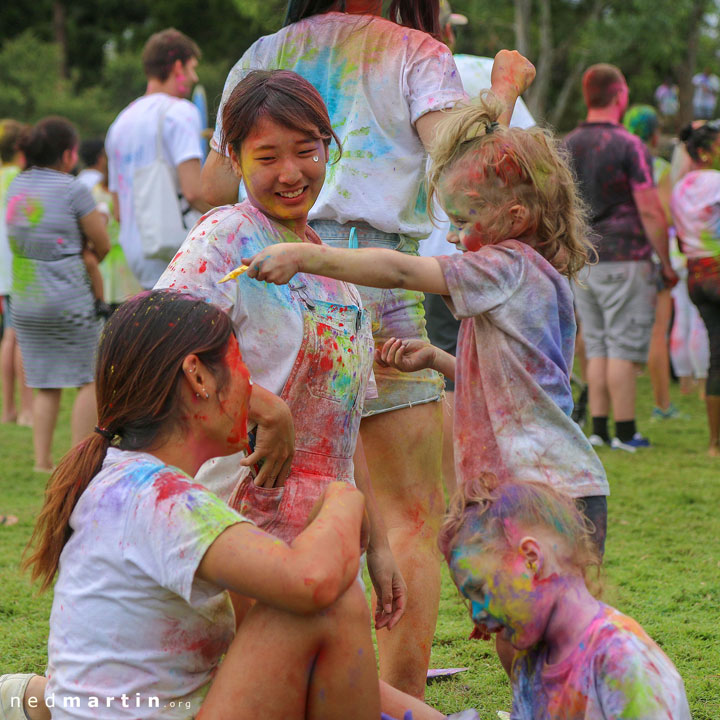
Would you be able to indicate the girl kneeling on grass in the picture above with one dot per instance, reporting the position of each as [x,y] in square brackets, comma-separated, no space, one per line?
[147,561]
[518,553]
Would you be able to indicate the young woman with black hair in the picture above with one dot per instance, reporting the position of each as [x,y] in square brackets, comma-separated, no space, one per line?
[385,83]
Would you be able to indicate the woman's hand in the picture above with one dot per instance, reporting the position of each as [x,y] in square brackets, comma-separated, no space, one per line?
[274,438]
[275,264]
[406,355]
[389,585]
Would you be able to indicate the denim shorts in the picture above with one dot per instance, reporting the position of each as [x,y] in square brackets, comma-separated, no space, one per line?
[395,313]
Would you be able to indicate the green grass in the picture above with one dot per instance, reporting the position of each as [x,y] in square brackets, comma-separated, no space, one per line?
[662,563]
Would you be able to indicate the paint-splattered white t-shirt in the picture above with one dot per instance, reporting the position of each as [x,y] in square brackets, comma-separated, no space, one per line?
[616,673]
[512,385]
[377,78]
[268,319]
[129,617]
[695,206]
[131,144]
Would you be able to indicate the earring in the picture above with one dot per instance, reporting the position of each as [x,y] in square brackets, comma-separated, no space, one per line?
[531,567]
[316,158]
[207,395]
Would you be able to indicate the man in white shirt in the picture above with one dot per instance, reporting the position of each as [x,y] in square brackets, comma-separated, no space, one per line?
[170,59]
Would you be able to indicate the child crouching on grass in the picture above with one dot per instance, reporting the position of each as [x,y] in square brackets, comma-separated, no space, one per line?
[518,553]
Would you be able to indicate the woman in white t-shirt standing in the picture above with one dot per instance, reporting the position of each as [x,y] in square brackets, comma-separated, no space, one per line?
[384,84]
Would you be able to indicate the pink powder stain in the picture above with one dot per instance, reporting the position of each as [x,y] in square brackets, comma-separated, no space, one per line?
[203,266]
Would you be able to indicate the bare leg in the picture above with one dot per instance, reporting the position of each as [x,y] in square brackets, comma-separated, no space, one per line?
[659,356]
[283,665]
[622,380]
[46,406]
[26,393]
[598,395]
[448,454]
[7,373]
[404,450]
[712,402]
[84,413]
[34,700]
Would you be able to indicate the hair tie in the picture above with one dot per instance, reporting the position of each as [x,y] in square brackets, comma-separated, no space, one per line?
[104,432]
[491,127]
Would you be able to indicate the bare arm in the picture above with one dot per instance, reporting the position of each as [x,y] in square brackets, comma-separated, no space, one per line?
[189,177]
[275,437]
[512,74]
[94,228]
[655,225]
[389,584]
[303,577]
[373,267]
[219,183]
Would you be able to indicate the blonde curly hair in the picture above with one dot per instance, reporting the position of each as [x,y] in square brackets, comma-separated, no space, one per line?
[497,168]
[485,506]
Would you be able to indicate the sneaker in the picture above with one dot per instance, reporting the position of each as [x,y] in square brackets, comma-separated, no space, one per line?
[637,441]
[12,692]
[596,440]
[672,413]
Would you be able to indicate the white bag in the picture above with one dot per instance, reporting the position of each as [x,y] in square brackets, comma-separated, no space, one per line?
[163,216]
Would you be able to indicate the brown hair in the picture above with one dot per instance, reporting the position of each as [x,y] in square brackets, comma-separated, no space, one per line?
[45,143]
[139,365]
[417,14]
[497,167]
[531,506]
[601,83]
[10,133]
[162,50]
[281,95]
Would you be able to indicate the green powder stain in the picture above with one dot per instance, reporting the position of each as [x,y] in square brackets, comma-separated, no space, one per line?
[710,242]
[34,211]
[24,271]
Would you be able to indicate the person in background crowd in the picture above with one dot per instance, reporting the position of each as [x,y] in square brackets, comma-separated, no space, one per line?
[11,367]
[118,280]
[170,60]
[666,99]
[615,298]
[51,221]
[695,207]
[643,121]
[706,87]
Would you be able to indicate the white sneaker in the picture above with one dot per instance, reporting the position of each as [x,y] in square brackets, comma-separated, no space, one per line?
[12,692]
[596,440]
[631,446]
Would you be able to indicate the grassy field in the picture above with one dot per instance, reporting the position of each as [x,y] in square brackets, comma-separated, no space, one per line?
[662,563]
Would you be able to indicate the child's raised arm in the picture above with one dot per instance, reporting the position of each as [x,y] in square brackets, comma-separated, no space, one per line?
[306,576]
[371,266]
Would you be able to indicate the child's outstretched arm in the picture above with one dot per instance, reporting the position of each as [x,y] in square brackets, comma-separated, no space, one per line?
[370,266]
[412,355]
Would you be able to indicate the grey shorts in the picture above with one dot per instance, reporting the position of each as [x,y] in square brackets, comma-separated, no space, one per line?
[615,302]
